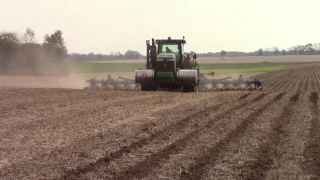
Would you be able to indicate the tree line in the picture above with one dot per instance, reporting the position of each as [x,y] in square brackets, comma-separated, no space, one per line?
[308,49]
[128,55]
[24,56]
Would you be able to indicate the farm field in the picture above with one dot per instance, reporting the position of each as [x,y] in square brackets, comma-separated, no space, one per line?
[53,133]
[248,64]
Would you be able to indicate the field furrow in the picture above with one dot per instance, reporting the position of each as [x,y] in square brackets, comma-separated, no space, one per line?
[312,151]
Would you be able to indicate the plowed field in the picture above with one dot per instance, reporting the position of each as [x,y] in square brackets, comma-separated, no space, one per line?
[83,134]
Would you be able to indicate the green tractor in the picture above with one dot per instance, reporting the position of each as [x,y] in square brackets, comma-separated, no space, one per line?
[168,68]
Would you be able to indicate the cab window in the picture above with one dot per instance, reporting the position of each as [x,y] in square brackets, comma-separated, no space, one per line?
[169,48]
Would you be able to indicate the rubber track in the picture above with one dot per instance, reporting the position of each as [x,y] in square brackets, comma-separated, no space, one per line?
[74,174]
[143,168]
[259,169]
[197,170]
[312,152]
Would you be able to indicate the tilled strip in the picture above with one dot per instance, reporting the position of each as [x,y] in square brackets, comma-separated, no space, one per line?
[296,80]
[198,169]
[182,123]
[301,81]
[60,150]
[312,151]
[143,168]
[267,151]
[289,82]
[270,77]
[306,85]
[316,71]
[278,81]
[304,79]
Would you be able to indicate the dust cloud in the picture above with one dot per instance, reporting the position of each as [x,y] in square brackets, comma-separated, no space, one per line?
[42,82]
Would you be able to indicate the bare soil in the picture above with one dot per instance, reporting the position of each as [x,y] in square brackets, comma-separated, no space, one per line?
[55,133]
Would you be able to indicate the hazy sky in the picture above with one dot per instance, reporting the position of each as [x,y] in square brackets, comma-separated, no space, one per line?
[104,26]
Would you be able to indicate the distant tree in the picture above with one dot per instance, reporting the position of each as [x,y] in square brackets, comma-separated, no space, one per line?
[8,46]
[309,48]
[293,50]
[260,52]
[301,49]
[55,48]
[130,54]
[28,36]
[283,52]
[56,41]
[223,53]
[275,51]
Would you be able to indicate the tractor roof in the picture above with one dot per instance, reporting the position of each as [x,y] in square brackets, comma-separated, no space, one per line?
[169,40]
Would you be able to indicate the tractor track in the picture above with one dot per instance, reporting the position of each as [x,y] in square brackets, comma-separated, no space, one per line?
[268,151]
[143,168]
[311,154]
[197,170]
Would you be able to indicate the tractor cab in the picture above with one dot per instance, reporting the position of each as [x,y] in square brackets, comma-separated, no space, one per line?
[171,50]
